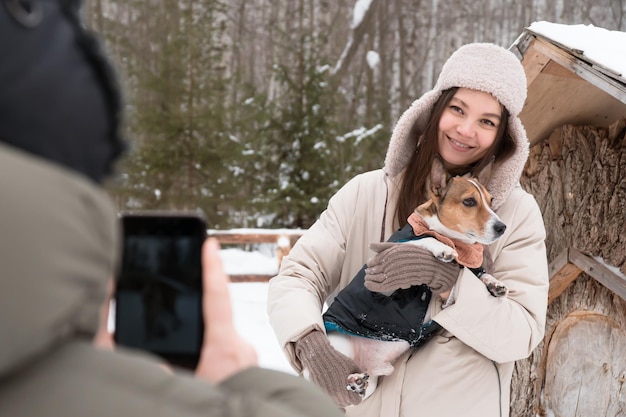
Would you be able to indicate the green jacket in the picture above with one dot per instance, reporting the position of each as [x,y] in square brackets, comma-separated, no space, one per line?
[58,247]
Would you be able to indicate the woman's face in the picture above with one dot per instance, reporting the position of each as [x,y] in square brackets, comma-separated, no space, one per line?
[468,127]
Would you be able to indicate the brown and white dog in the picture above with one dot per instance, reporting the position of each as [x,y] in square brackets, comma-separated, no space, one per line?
[458,210]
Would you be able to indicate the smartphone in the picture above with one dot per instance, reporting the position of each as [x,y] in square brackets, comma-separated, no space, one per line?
[158,296]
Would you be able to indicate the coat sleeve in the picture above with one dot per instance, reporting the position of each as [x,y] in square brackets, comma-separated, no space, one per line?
[311,272]
[508,328]
[124,383]
[280,394]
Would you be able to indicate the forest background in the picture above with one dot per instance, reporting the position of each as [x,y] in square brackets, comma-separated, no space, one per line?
[257,111]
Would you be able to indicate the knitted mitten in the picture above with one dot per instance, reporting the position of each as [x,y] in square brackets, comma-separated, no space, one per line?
[401,265]
[327,367]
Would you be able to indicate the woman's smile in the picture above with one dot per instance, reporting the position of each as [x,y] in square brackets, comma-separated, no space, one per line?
[461,147]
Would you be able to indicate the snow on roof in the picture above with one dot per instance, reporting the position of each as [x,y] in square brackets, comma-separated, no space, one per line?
[606,48]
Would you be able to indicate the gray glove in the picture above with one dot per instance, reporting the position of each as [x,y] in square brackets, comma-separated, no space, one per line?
[401,265]
[327,367]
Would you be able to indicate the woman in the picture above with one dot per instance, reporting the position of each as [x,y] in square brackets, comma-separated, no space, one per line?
[469,118]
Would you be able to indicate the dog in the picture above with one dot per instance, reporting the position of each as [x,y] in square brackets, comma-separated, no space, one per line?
[459,208]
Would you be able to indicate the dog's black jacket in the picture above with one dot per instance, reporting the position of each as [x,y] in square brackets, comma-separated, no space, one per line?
[400,316]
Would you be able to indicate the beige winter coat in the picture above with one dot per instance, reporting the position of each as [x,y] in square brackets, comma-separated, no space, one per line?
[466,370]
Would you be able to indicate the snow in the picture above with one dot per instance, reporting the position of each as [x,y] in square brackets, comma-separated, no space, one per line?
[615,270]
[240,262]
[250,316]
[373,59]
[359,134]
[250,298]
[343,56]
[249,304]
[360,9]
[602,46]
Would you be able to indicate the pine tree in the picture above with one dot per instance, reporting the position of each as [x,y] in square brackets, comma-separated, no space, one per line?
[177,114]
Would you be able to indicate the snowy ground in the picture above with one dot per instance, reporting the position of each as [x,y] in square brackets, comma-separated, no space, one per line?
[249,305]
[250,316]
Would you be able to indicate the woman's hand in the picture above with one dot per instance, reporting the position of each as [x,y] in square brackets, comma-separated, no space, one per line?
[224,352]
[327,367]
[402,265]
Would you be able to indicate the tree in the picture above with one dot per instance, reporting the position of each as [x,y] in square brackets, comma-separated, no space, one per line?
[177,111]
[577,176]
[300,143]
[251,110]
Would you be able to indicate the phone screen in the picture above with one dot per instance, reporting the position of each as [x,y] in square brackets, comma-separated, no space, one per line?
[158,305]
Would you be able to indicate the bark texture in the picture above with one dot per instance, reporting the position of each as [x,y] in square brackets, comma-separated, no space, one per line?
[578,176]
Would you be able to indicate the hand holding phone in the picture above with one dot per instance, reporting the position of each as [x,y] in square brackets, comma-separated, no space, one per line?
[224,352]
[158,297]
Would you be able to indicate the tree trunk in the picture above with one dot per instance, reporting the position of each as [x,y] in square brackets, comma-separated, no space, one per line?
[578,176]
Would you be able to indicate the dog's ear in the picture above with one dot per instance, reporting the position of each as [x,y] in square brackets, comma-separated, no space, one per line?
[484,173]
[438,177]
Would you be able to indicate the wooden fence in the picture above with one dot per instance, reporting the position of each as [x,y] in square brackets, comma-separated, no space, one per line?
[283,238]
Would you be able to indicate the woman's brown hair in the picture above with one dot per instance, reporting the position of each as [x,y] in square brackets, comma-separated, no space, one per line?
[413,187]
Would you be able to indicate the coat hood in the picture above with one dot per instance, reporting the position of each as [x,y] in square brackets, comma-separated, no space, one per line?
[479,66]
[58,249]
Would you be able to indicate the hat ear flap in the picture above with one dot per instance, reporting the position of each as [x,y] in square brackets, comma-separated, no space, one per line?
[438,177]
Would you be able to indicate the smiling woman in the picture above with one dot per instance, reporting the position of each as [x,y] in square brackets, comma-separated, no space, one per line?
[468,127]
[470,119]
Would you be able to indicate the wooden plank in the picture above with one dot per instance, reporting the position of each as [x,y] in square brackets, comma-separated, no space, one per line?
[564,87]
[235,237]
[570,263]
[558,70]
[250,278]
[562,273]
[533,62]
[558,94]
[556,100]
[558,263]
[599,272]
[581,68]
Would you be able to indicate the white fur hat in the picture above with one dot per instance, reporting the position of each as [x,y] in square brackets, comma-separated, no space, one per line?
[479,66]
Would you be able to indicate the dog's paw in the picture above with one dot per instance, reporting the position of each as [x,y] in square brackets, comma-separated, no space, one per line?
[495,287]
[440,250]
[358,383]
[446,254]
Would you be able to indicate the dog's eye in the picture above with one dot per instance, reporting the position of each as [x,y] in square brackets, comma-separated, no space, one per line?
[469,202]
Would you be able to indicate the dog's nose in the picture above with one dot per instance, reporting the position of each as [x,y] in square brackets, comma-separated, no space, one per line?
[499,228]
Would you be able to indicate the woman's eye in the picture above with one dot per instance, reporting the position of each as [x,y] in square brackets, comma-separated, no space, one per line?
[456,109]
[469,202]
[489,123]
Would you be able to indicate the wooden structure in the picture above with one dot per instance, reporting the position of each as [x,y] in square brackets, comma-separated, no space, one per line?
[575,117]
[565,87]
[283,238]
[566,267]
